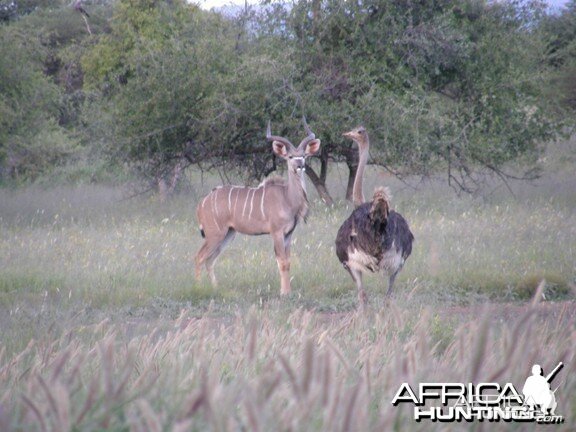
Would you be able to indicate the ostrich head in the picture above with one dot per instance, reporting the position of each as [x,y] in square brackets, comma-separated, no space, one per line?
[359,136]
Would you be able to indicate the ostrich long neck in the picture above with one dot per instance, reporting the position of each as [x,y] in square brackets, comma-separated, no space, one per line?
[357,194]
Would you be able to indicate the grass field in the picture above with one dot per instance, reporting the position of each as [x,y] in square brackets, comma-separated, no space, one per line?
[104,328]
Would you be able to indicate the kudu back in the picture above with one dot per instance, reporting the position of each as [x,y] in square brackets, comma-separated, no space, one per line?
[274,207]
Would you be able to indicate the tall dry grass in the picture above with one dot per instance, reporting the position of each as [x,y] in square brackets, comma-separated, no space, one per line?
[260,371]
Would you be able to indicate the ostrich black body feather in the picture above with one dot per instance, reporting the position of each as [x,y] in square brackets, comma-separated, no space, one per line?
[374,237]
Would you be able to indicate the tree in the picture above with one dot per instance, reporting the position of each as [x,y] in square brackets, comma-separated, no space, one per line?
[444,84]
[42,84]
[181,89]
[31,139]
[135,26]
[14,9]
[561,32]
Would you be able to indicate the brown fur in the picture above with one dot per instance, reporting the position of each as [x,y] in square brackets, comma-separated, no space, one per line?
[273,208]
[275,181]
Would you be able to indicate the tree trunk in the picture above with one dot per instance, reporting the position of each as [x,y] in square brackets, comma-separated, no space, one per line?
[319,182]
[352,163]
[167,184]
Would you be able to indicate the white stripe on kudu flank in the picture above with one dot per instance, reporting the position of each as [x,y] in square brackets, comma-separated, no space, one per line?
[262,202]
[245,202]
[215,199]
[252,203]
[215,211]
[236,200]
[230,199]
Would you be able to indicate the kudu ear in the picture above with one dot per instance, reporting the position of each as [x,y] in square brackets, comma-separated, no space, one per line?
[281,146]
[312,148]
[280,149]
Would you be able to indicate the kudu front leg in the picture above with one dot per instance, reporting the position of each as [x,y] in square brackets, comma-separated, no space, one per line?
[282,251]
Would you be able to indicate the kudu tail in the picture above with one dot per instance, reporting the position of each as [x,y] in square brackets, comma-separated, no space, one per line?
[198,218]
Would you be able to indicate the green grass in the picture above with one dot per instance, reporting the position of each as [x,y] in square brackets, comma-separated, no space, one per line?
[119,253]
[105,328]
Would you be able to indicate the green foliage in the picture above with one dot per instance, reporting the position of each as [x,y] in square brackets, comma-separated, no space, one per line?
[440,84]
[14,9]
[198,93]
[136,26]
[561,32]
[41,89]
[31,140]
[458,86]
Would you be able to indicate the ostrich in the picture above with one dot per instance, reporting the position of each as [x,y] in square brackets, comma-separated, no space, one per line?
[373,238]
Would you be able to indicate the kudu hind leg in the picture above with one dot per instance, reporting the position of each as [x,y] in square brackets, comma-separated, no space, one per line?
[201,257]
[213,245]
[211,260]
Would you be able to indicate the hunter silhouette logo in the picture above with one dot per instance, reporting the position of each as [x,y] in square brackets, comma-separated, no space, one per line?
[537,390]
[485,401]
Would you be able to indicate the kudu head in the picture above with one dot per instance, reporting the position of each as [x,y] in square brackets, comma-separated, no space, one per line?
[295,156]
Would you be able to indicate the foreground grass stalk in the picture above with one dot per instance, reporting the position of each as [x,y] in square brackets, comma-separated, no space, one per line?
[304,374]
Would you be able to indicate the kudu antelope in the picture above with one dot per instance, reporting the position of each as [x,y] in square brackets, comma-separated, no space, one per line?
[275,207]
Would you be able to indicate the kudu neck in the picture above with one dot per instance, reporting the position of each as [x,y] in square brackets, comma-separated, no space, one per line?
[296,195]
[296,186]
